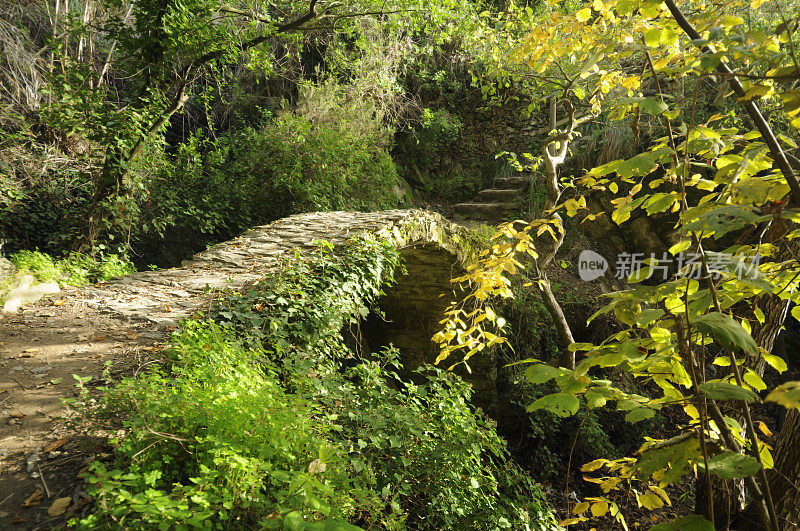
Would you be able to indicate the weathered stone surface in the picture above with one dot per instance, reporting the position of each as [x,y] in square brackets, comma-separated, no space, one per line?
[25,291]
[497,204]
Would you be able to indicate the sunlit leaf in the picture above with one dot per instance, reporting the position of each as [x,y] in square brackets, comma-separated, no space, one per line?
[561,404]
[726,391]
[787,395]
[732,465]
[727,331]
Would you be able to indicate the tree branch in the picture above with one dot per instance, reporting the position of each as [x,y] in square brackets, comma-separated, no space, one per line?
[752,109]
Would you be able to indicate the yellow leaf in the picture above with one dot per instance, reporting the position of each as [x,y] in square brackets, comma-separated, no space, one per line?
[764,429]
[580,508]
[593,465]
[599,509]
[754,381]
[583,14]
[661,492]
[756,92]
[649,500]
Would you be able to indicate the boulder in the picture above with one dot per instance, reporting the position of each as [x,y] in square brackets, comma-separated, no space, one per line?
[402,190]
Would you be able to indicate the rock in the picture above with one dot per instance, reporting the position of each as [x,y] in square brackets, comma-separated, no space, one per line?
[31,462]
[402,190]
[26,291]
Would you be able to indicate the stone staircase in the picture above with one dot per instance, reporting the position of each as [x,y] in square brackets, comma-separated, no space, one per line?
[495,205]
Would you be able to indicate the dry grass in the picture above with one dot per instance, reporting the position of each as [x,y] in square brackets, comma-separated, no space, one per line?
[22,69]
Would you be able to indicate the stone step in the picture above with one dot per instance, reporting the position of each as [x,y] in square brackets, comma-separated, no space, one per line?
[497,194]
[485,211]
[517,182]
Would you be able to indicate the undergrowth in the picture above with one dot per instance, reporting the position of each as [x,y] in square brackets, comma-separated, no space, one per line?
[265,419]
[75,269]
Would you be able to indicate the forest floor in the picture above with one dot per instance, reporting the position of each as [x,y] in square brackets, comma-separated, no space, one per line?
[44,446]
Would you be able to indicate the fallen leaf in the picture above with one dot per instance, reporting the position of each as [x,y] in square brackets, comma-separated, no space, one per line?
[58,303]
[55,445]
[166,306]
[133,335]
[33,499]
[17,415]
[18,520]
[98,338]
[59,506]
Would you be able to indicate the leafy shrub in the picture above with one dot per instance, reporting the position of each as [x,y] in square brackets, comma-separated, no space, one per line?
[74,269]
[217,439]
[440,125]
[305,306]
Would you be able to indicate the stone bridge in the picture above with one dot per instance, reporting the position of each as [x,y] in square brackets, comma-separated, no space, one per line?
[433,249]
[106,330]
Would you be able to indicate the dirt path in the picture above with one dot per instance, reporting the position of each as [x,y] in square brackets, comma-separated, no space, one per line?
[42,449]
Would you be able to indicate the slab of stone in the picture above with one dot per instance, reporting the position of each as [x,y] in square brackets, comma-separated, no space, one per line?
[27,291]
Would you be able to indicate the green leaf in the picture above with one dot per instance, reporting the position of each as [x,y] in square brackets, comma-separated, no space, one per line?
[693,522]
[653,106]
[561,404]
[638,414]
[660,202]
[787,395]
[652,37]
[727,331]
[641,164]
[674,455]
[721,219]
[539,373]
[732,465]
[726,391]
[594,399]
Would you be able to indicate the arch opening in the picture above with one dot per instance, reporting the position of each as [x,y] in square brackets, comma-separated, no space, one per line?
[412,309]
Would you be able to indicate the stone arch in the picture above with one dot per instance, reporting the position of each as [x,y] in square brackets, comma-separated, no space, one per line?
[434,251]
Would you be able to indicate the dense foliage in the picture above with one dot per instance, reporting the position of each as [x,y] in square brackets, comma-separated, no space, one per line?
[720,175]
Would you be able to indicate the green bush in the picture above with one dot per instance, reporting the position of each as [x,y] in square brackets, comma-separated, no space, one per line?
[75,269]
[218,440]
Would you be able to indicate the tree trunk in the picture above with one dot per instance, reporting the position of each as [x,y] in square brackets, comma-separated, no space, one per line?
[784,479]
